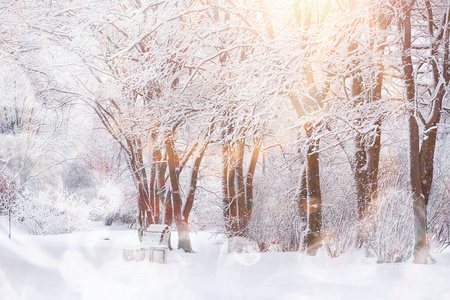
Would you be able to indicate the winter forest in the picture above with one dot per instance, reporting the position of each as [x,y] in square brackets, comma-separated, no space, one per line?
[300,126]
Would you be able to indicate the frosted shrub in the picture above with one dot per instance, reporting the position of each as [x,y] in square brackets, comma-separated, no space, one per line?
[340,219]
[50,213]
[439,220]
[390,227]
[276,225]
[340,228]
[112,203]
[206,217]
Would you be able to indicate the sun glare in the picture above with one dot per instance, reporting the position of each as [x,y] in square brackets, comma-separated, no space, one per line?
[301,10]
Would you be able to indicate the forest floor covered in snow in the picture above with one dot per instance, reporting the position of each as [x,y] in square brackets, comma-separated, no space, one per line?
[89,265]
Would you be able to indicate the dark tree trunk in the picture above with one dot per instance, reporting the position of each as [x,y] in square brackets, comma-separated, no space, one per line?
[368,145]
[152,190]
[184,241]
[419,204]
[249,182]
[231,176]
[373,155]
[226,193]
[238,187]
[241,205]
[361,176]
[163,195]
[313,238]
[136,163]
[302,196]
[302,204]
[160,185]
[427,151]
[193,182]
[373,146]
[366,165]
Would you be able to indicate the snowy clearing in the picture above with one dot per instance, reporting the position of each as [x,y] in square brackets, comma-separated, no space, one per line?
[89,265]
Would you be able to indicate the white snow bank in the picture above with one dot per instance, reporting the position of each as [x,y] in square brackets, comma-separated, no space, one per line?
[88,265]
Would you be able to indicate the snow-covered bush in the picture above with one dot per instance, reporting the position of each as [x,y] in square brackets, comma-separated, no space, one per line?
[390,227]
[339,209]
[50,212]
[439,218]
[113,202]
[276,224]
[206,215]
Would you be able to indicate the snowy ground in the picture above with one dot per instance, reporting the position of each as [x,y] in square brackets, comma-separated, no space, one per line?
[88,265]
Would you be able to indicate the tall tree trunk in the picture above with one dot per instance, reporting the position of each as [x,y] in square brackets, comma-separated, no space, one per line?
[136,164]
[225,190]
[373,161]
[428,147]
[419,204]
[231,176]
[160,186]
[193,182]
[374,136]
[313,238]
[249,183]
[367,144]
[361,176]
[152,190]
[374,142]
[302,196]
[184,241]
[366,165]
[163,194]
[241,206]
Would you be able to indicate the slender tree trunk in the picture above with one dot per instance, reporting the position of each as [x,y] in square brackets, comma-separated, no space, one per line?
[419,204]
[374,143]
[373,155]
[231,176]
[361,176]
[427,152]
[144,186]
[163,195]
[136,164]
[249,183]
[368,144]
[428,147]
[302,197]
[193,182]
[226,192]
[374,138]
[241,206]
[184,241]
[152,190]
[367,154]
[366,165]
[313,239]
